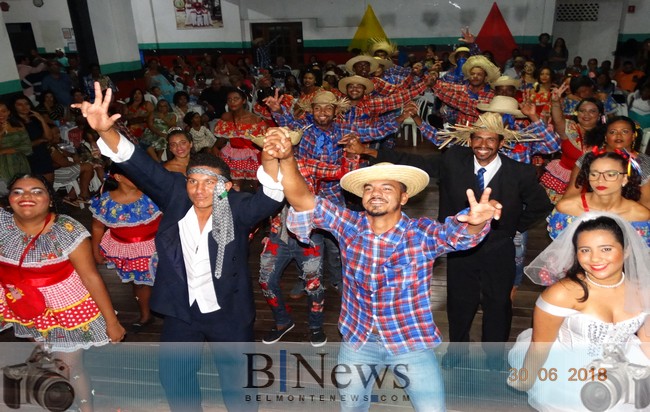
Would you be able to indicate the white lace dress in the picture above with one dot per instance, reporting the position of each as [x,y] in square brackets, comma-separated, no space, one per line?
[581,340]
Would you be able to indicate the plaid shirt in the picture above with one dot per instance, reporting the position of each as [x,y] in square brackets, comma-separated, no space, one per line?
[569,106]
[374,106]
[396,74]
[314,173]
[461,98]
[387,276]
[322,145]
[521,152]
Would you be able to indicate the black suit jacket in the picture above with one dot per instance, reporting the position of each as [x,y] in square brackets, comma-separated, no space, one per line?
[170,295]
[515,186]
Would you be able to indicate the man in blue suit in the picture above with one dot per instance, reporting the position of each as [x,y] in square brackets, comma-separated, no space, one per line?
[203,285]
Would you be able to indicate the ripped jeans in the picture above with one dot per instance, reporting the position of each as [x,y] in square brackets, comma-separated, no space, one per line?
[275,257]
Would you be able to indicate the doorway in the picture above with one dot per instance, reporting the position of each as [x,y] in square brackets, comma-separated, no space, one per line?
[285,39]
[21,38]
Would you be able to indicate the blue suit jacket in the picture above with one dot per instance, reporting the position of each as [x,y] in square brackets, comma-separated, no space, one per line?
[234,291]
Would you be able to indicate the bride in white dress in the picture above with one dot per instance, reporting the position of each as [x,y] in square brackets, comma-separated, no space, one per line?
[599,272]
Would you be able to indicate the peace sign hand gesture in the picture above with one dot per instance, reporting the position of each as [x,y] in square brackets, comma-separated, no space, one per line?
[480,212]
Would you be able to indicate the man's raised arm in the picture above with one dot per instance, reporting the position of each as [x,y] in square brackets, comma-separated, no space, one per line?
[278,145]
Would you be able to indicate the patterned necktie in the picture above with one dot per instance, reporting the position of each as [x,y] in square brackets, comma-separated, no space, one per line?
[479,178]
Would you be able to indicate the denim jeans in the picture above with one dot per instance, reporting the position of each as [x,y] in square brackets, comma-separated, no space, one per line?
[521,241]
[332,260]
[417,372]
[275,258]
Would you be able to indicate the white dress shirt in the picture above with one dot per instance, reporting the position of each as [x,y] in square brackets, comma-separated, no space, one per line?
[490,170]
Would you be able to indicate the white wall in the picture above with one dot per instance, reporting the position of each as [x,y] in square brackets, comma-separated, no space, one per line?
[580,36]
[406,19]
[338,19]
[47,21]
[114,33]
[637,22]
[157,25]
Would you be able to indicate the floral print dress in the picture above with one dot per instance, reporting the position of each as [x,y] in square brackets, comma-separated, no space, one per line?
[129,241]
[72,319]
[241,155]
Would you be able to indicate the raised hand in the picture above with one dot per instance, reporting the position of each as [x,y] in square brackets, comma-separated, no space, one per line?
[96,113]
[528,108]
[466,36]
[273,102]
[483,210]
[557,92]
[354,146]
[277,143]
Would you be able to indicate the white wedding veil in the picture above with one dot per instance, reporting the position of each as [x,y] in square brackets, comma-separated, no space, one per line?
[552,264]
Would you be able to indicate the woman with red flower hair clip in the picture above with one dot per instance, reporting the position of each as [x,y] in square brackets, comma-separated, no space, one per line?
[619,133]
[612,186]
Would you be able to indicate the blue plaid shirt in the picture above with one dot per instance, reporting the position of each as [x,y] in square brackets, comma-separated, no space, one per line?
[387,276]
[323,146]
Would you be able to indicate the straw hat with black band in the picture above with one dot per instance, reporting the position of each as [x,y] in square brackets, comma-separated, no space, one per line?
[503,105]
[452,56]
[343,83]
[506,81]
[349,65]
[413,178]
[490,69]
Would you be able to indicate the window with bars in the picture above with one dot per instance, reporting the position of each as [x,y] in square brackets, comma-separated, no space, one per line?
[577,12]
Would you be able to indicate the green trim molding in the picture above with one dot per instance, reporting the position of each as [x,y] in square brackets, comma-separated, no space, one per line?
[623,37]
[11,86]
[121,67]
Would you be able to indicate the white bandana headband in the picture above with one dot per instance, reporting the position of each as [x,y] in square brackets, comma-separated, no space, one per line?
[223,231]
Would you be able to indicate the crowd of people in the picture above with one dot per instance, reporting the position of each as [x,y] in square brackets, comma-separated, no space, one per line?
[207,151]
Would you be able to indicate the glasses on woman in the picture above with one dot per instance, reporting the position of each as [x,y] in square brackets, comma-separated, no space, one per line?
[622,132]
[608,175]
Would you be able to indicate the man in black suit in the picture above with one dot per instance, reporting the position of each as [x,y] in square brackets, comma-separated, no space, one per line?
[203,285]
[483,275]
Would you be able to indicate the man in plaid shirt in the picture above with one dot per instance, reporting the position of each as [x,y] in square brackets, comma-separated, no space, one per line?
[388,259]
[323,130]
[480,72]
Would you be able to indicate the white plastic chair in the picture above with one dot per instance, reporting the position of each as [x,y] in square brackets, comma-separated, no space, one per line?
[644,140]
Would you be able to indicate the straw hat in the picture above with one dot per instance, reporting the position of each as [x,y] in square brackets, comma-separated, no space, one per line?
[384,45]
[506,81]
[492,71]
[503,105]
[343,83]
[452,56]
[488,121]
[413,178]
[361,58]
[294,135]
[257,41]
[384,62]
